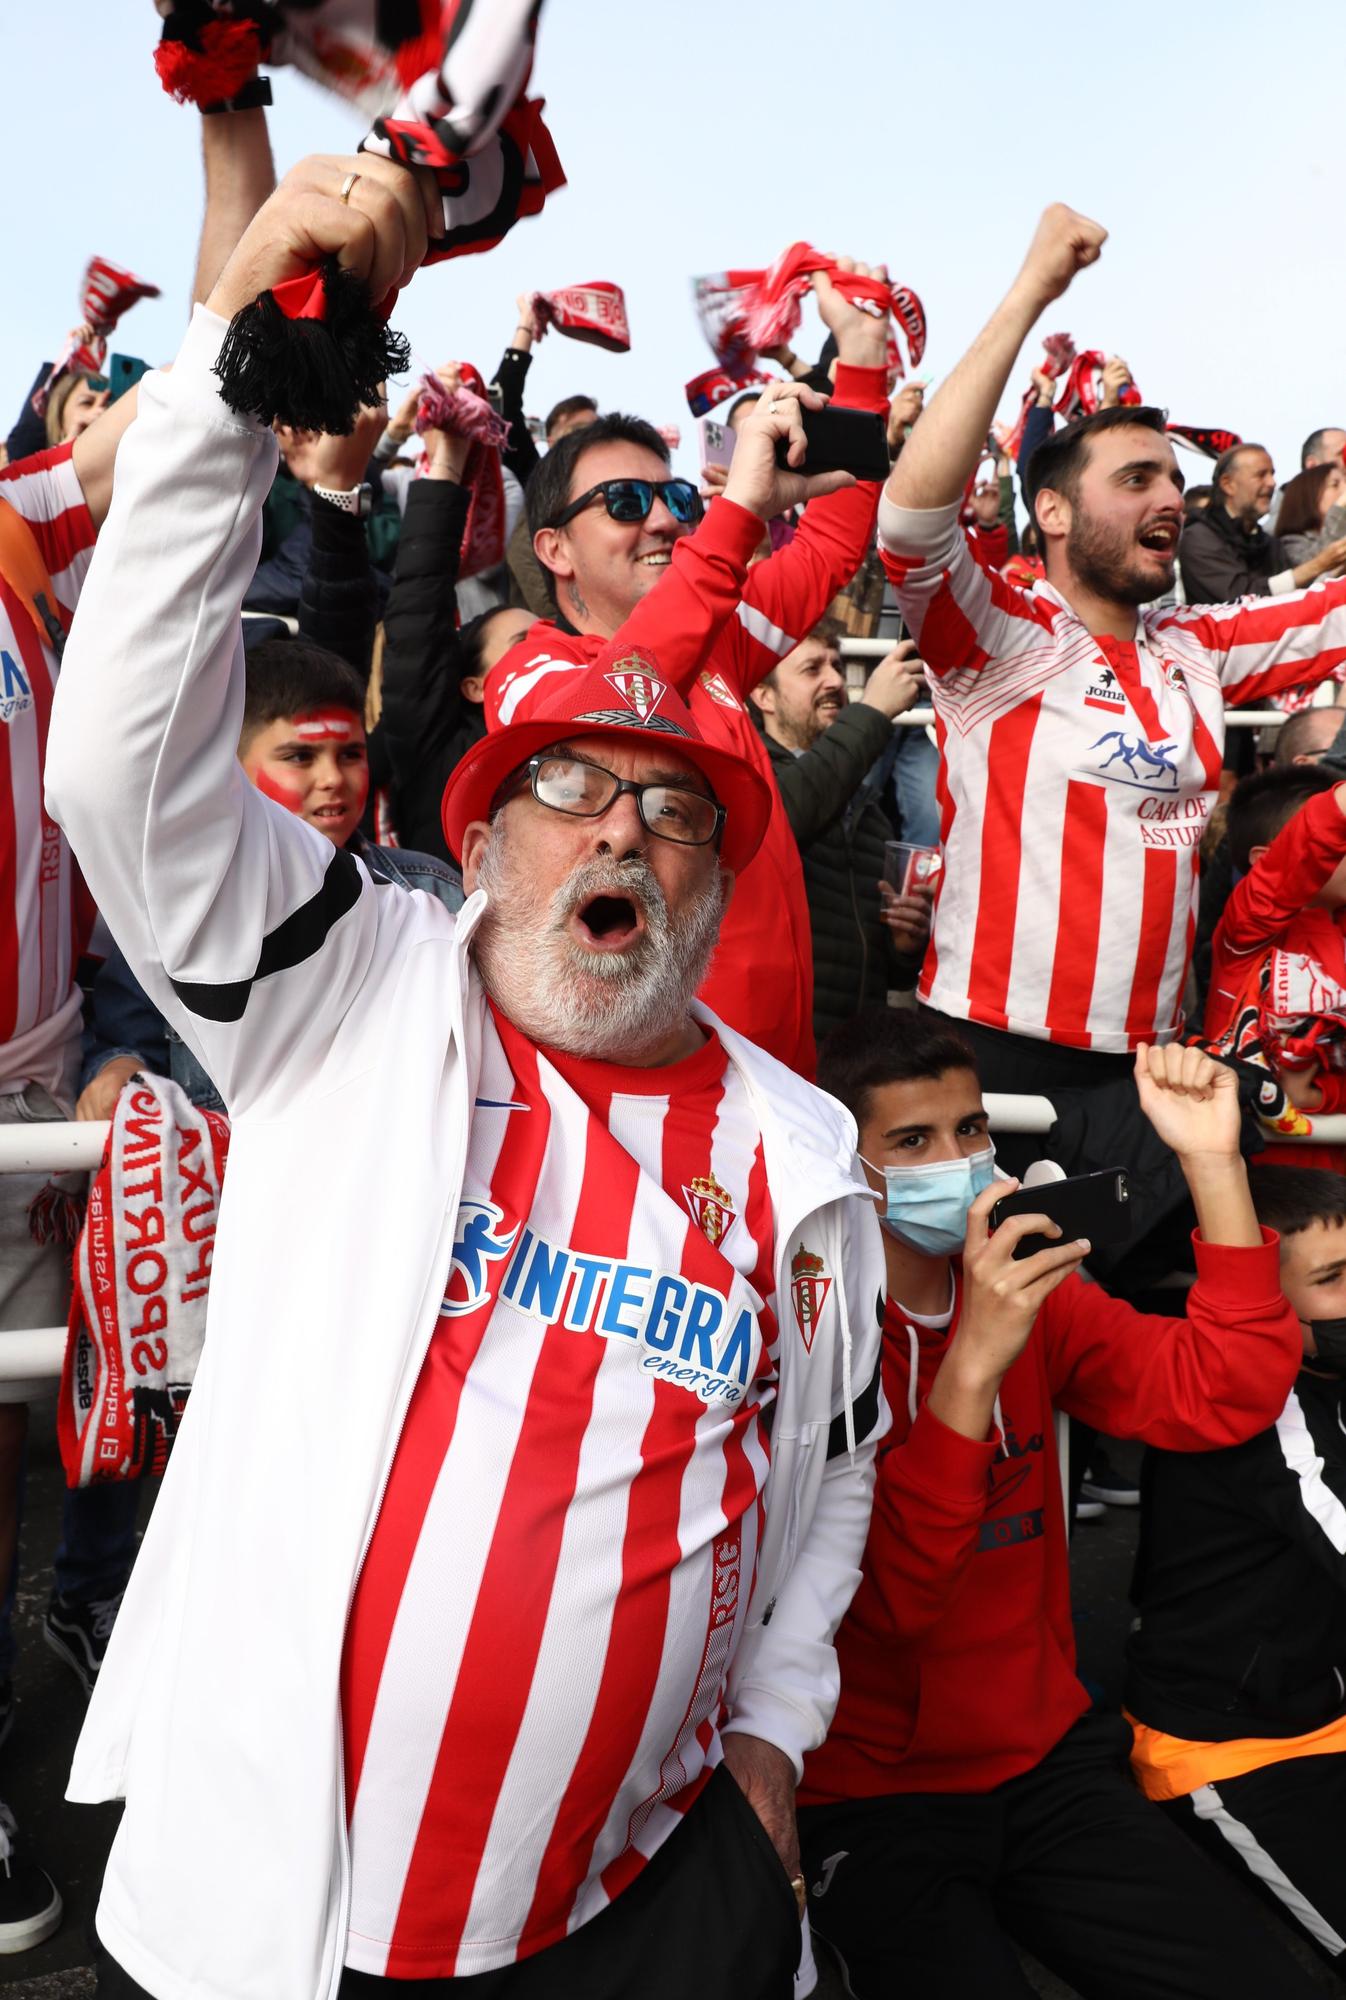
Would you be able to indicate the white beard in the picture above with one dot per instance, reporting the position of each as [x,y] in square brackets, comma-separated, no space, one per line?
[613,1006]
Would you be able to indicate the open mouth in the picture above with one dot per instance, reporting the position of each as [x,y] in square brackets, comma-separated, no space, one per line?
[1161,538]
[609,922]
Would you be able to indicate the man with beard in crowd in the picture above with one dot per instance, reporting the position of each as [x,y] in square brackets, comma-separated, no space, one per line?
[1081,730]
[489,1606]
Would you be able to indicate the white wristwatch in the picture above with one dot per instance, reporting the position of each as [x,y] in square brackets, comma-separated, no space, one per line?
[358,500]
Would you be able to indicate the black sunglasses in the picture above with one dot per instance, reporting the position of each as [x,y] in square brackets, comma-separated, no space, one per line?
[632,499]
[586,791]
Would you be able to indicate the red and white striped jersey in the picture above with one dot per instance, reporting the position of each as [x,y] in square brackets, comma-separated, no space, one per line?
[38,918]
[536,1655]
[1076,778]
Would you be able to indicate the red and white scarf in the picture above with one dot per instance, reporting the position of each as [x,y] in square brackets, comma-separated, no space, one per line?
[744,312]
[451,97]
[1058,353]
[141,1276]
[1082,394]
[105,293]
[594,312]
[465,413]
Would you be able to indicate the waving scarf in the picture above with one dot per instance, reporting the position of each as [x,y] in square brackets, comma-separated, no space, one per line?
[452,96]
[743,313]
[465,413]
[105,293]
[594,312]
[1082,394]
[1058,353]
[1210,443]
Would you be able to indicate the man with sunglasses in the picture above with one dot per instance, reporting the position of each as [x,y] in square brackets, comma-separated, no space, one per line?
[610,528]
[488,1609]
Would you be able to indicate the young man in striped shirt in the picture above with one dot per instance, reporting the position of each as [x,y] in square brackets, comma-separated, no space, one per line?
[1081,731]
[489,1606]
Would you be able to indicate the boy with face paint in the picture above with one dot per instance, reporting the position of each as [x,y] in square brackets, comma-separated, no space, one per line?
[1236,1664]
[302,744]
[963,1778]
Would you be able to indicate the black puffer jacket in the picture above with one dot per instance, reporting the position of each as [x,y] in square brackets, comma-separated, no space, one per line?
[426,723]
[840,829]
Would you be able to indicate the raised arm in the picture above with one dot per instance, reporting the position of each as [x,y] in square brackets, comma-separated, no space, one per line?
[681,620]
[943,449]
[1263,645]
[214,893]
[786,595]
[240,176]
[1303,856]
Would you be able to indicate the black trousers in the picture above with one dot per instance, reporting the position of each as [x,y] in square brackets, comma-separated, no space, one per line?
[712,1917]
[1279,1830]
[921,1894]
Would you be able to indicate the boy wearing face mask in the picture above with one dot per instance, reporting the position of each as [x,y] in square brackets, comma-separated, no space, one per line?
[1236,1665]
[964,1791]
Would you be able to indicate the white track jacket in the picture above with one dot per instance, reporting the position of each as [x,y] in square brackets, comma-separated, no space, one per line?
[342,1022]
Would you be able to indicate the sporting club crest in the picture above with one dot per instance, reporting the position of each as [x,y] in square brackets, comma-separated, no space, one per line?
[719,690]
[712,1208]
[809,1286]
[638,687]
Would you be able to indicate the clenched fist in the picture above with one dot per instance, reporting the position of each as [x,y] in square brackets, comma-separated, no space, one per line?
[1063,244]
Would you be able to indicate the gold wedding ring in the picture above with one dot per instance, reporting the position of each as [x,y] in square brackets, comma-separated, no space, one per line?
[346,187]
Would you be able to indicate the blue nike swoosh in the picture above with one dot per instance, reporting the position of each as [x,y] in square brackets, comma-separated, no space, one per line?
[499,1104]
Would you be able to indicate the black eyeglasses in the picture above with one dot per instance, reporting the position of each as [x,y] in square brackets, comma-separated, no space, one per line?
[586,791]
[632,499]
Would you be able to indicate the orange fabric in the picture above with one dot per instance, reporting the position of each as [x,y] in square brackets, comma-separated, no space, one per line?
[22,567]
[1168,1767]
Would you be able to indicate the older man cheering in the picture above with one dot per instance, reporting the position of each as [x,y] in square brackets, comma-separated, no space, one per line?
[525,1479]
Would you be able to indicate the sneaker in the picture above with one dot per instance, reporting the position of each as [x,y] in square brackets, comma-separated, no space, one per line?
[30,1902]
[1102,1481]
[78,1633]
[1089,1510]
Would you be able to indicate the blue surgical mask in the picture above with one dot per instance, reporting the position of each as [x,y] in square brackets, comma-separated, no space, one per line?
[926,1206]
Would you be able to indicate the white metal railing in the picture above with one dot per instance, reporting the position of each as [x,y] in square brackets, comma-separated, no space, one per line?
[35,1353]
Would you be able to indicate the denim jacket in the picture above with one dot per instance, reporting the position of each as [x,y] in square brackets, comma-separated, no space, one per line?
[124,1022]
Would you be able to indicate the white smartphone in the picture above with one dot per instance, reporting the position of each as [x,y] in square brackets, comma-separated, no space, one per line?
[717,442]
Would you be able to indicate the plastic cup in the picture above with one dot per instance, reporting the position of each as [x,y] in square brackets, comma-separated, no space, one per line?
[908,868]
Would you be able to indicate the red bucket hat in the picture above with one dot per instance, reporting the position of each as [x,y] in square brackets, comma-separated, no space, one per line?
[622,695]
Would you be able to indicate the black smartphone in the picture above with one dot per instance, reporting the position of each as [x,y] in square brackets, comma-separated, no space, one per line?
[841,441]
[1092,1205]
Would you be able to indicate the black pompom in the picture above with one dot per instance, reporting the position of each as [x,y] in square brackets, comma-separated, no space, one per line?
[312,373]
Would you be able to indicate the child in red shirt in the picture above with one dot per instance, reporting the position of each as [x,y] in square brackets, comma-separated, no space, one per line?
[964,1792]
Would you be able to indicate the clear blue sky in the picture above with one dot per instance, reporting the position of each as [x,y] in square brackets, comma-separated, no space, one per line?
[713,132]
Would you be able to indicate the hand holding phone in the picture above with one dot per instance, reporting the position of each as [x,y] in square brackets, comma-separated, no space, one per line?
[1002,1291]
[854,441]
[1095,1207]
[765,476]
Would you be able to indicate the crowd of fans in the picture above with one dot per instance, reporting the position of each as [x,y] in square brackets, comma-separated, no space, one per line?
[624,1588]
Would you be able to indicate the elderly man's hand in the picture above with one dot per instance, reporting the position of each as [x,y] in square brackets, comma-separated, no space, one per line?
[380,232]
[766,1777]
[755,480]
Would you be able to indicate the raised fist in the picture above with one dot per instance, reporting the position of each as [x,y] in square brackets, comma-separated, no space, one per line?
[1063,244]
